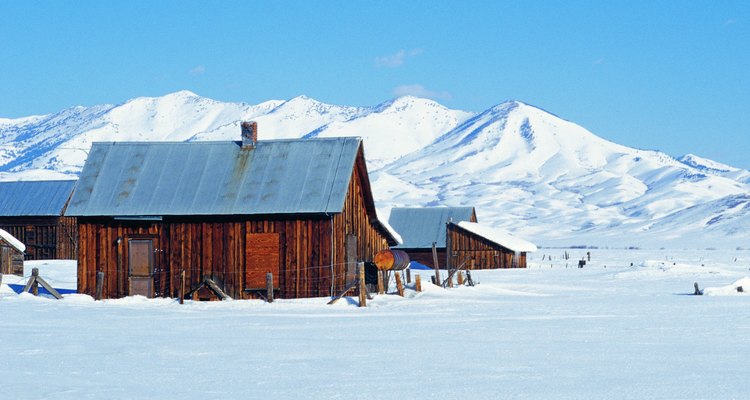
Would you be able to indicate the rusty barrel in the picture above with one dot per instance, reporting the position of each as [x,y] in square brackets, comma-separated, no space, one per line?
[388,260]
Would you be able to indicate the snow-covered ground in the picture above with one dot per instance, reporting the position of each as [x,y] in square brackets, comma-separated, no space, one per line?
[606,331]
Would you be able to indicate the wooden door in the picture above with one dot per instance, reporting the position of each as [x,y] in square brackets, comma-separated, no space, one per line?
[141,267]
[351,258]
[262,255]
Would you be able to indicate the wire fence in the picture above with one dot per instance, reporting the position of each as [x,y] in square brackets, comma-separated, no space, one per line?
[324,280]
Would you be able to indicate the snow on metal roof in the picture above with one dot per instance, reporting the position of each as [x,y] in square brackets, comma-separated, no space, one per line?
[215,178]
[8,238]
[389,228]
[34,198]
[420,227]
[498,237]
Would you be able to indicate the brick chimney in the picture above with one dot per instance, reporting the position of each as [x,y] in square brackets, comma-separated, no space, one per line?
[249,134]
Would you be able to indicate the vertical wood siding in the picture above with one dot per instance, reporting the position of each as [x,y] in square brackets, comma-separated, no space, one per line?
[46,238]
[465,246]
[424,256]
[213,249]
[11,260]
[358,220]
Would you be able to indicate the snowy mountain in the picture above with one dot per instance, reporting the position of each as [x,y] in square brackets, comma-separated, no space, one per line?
[525,170]
[396,127]
[535,173]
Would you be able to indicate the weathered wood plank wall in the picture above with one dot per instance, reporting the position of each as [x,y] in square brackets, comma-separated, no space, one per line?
[358,220]
[206,249]
[424,256]
[46,238]
[465,246]
[11,260]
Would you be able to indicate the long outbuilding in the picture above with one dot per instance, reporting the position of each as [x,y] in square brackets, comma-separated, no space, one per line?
[475,246]
[420,227]
[459,240]
[33,212]
[229,211]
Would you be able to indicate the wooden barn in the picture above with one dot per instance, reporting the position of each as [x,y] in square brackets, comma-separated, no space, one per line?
[32,211]
[11,254]
[419,227]
[228,211]
[474,246]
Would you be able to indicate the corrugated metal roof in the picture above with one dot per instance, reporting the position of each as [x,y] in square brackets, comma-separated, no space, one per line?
[34,198]
[420,227]
[215,178]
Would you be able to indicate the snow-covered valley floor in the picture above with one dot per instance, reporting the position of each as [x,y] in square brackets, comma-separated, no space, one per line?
[546,332]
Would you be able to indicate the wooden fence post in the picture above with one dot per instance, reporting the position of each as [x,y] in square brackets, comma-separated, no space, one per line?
[362,287]
[32,285]
[35,285]
[269,287]
[472,264]
[460,278]
[408,275]
[399,285]
[1,278]
[182,287]
[418,283]
[381,290]
[435,261]
[99,284]
[121,290]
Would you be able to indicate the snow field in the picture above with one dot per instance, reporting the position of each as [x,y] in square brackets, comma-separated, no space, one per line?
[546,332]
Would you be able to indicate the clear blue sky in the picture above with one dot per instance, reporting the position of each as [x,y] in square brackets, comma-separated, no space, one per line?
[666,75]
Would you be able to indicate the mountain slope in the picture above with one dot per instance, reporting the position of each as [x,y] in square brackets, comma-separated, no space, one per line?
[396,127]
[535,173]
[525,169]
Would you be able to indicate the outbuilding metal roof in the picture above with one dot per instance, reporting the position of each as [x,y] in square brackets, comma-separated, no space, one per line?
[215,178]
[34,198]
[420,227]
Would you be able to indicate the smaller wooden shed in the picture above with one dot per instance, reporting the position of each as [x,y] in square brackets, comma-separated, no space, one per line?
[474,246]
[11,254]
[419,227]
[32,211]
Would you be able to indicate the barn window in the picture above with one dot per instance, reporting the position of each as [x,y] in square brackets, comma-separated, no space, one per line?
[262,255]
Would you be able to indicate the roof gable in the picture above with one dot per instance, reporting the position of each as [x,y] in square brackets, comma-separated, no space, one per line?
[215,178]
[34,198]
[420,227]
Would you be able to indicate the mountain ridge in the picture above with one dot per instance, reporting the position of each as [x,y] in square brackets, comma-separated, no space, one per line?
[525,169]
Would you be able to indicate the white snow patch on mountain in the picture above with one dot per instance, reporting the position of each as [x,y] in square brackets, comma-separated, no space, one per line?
[527,171]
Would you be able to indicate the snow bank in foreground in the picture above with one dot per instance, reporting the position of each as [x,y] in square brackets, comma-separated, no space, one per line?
[546,332]
[730,290]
